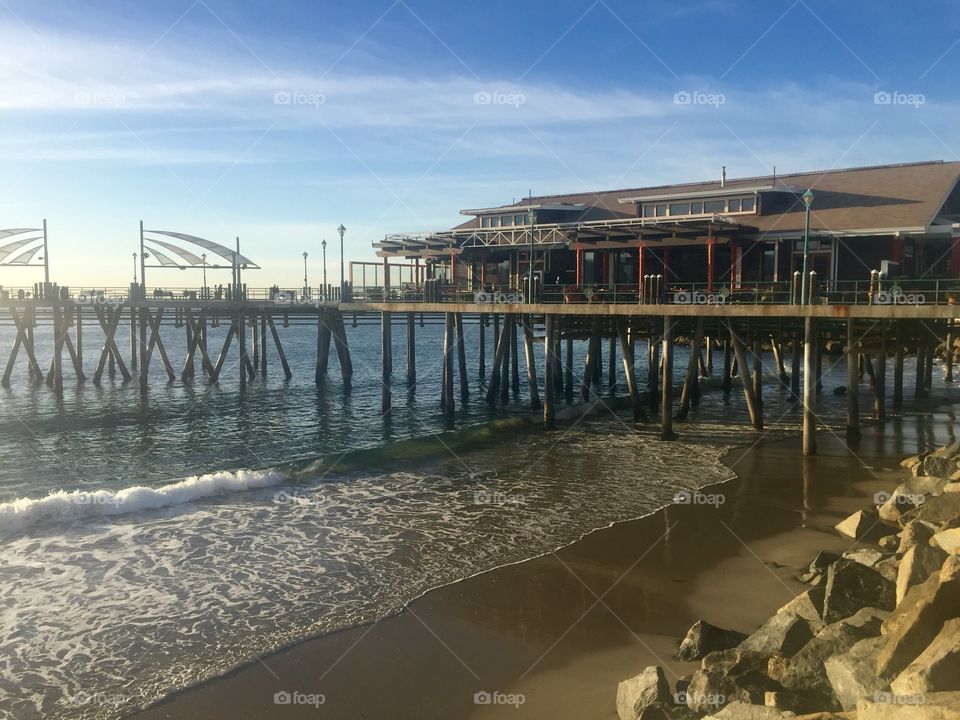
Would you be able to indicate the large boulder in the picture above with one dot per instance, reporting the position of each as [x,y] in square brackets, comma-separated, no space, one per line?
[782,634]
[889,543]
[817,569]
[635,694]
[906,497]
[703,638]
[916,532]
[809,606]
[947,540]
[886,706]
[853,674]
[942,462]
[852,586]
[726,676]
[919,617]
[739,710]
[937,668]
[858,525]
[937,510]
[865,556]
[805,674]
[916,566]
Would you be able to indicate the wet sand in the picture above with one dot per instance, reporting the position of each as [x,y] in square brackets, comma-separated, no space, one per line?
[563,629]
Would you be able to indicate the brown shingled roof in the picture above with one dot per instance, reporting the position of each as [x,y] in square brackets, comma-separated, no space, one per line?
[883,196]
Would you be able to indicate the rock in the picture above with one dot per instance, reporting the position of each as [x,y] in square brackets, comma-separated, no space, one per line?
[952,487]
[782,634]
[667,711]
[911,462]
[935,706]
[852,586]
[853,674]
[822,561]
[889,568]
[857,525]
[703,638]
[804,673]
[915,532]
[637,693]
[943,461]
[828,716]
[947,540]
[906,497]
[809,606]
[787,701]
[729,675]
[937,668]
[746,711]
[889,543]
[864,556]
[937,510]
[916,566]
[919,617]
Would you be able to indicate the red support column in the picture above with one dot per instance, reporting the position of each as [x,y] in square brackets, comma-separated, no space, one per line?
[579,252]
[955,257]
[734,261]
[711,256]
[453,269]
[640,264]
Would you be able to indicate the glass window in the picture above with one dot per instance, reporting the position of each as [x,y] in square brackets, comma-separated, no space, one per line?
[734,204]
[661,210]
[519,220]
[680,208]
[713,206]
[749,204]
[696,208]
[494,221]
[484,222]
[648,210]
[506,220]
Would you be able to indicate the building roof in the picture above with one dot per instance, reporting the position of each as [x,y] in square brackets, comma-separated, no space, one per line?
[877,198]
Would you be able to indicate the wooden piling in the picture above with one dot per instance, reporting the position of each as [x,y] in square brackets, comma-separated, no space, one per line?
[879,398]
[568,370]
[501,345]
[482,350]
[853,383]
[386,361]
[133,338]
[339,332]
[532,363]
[411,350]
[727,366]
[549,414]
[461,357]
[948,353]
[758,372]
[612,364]
[898,368]
[753,407]
[928,367]
[629,371]
[514,357]
[276,343]
[919,380]
[653,366]
[795,366]
[666,400]
[691,378]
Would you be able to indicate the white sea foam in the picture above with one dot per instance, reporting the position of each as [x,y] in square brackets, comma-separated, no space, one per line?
[62,505]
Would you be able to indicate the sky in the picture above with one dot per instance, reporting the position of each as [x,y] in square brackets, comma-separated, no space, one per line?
[278,120]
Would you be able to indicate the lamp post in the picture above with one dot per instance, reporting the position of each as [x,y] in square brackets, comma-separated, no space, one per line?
[532,217]
[204,259]
[341,230]
[323,245]
[306,286]
[807,201]
[134,268]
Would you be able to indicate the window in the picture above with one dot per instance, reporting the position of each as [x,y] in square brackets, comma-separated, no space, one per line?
[494,221]
[734,204]
[749,204]
[506,220]
[484,222]
[648,210]
[715,206]
[519,220]
[661,210]
[696,208]
[680,208]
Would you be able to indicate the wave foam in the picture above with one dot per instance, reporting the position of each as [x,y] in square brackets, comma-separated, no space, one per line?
[78,504]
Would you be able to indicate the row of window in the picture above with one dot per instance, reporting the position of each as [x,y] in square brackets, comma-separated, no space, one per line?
[504,220]
[701,207]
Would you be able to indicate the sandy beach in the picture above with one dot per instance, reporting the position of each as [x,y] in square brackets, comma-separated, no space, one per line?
[551,637]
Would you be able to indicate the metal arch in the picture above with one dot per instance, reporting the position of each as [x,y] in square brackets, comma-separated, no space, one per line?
[11,247]
[221,250]
[165,260]
[180,252]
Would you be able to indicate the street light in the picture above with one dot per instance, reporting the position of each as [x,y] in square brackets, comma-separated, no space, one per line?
[532,217]
[323,245]
[306,287]
[808,201]
[341,230]
[134,268]
[204,258]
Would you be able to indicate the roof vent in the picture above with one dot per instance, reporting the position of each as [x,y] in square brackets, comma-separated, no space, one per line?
[723,177]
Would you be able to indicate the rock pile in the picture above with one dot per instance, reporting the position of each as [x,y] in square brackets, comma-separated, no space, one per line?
[876,637]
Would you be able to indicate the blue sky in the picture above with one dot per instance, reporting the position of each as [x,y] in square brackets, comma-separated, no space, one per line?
[277,121]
